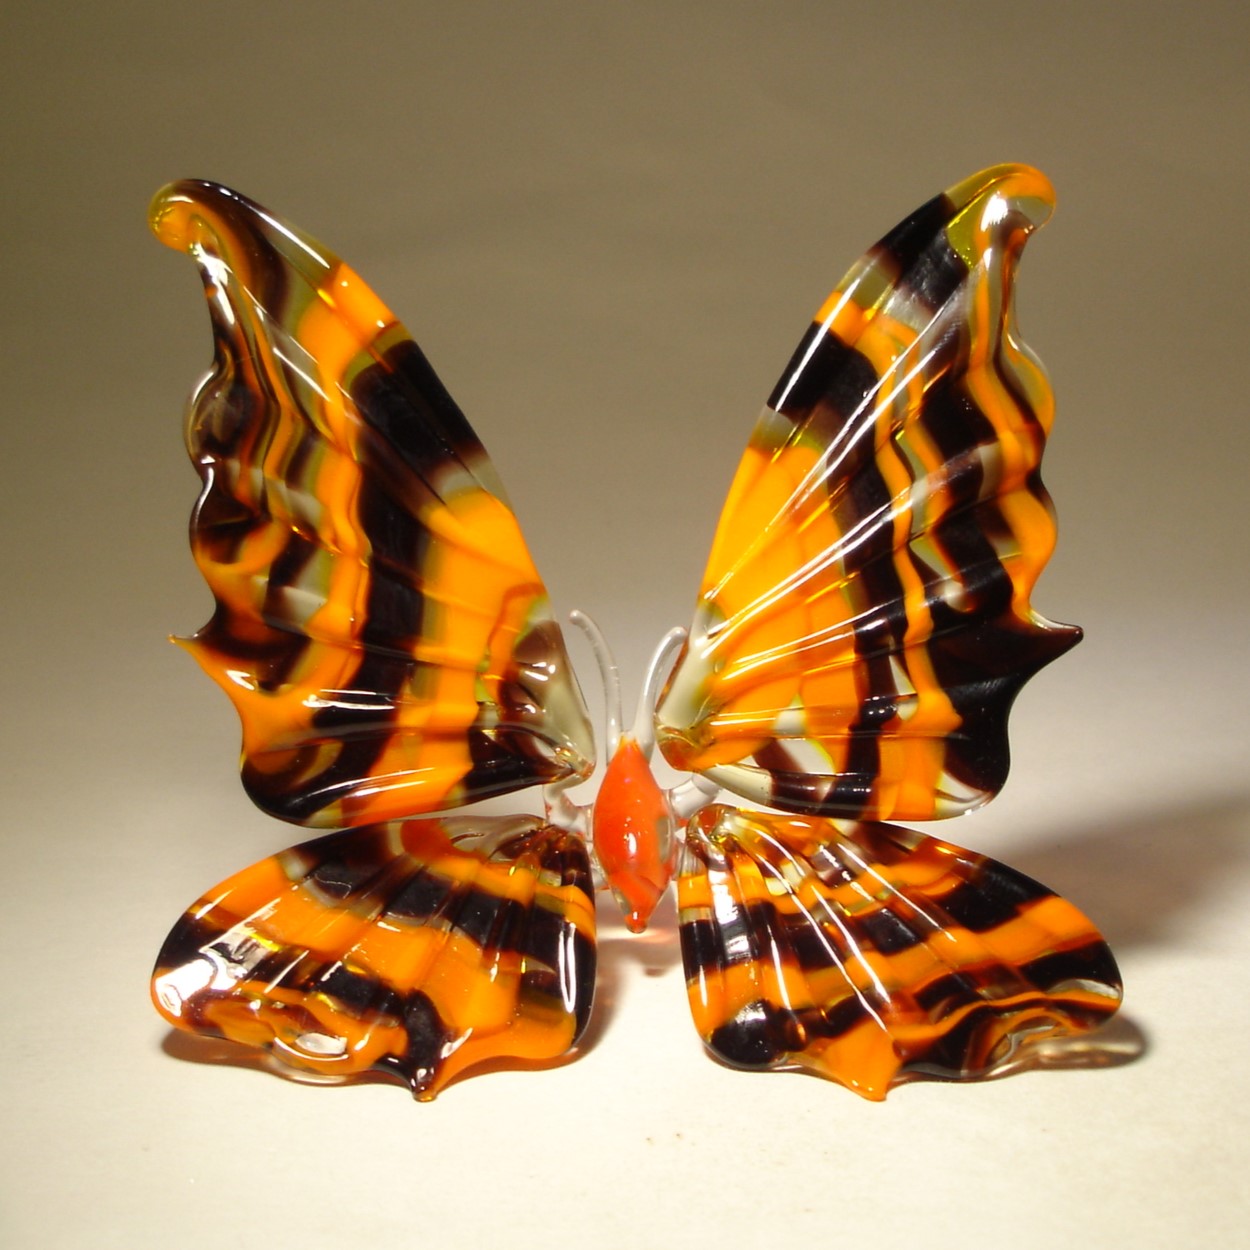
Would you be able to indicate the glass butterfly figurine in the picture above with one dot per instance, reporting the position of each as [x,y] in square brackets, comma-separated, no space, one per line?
[861,631]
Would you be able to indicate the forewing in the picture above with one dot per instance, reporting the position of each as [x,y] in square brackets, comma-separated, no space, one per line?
[864,621]
[380,625]
[869,954]
[417,949]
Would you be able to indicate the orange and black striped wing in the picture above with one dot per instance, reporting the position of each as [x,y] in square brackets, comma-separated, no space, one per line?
[870,955]
[417,949]
[380,626]
[864,621]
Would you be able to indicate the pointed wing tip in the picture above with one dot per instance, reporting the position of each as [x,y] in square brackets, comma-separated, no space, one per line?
[1026,189]
[195,213]
[170,213]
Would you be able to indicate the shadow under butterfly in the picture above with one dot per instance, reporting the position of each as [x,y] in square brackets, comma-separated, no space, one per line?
[861,631]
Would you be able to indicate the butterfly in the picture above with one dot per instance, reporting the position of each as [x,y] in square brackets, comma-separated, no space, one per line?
[862,628]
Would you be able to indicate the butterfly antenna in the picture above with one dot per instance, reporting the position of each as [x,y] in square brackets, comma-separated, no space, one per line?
[643,731]
[609,674]
[696,791]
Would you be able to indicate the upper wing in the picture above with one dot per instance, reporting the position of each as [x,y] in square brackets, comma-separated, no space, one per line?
[864,620]
[380,625]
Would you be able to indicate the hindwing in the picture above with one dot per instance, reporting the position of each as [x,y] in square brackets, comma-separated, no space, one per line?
[417,949]
[869,954]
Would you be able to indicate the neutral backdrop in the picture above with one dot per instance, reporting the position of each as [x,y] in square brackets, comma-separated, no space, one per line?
[608,226]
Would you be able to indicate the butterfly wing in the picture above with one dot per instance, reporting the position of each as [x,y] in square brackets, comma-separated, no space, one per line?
[389,647]
[418,949]
[380,626]
[868,953]
[864,620]
[863,627]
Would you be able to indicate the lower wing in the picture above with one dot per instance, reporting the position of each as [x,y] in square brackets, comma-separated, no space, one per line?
[417,949]
[421,950]
[871,954]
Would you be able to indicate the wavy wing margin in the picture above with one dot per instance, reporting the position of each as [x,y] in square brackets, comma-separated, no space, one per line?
[870,954]
[864,621]
[418,949]
[380,626]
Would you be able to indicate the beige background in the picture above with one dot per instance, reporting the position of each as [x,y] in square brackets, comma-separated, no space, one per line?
[608,226]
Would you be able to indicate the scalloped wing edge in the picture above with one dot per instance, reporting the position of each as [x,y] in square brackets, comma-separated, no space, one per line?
[864,623]
[418,950]
[380,626]
[871,955]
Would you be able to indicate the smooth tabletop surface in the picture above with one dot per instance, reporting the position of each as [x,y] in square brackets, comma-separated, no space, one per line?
[608,227]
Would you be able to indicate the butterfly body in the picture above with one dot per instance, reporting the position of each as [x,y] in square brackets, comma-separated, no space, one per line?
[633,834]
[862,628]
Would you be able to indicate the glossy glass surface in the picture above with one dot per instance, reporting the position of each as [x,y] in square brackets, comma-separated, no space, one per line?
[863,626]
[380,626]
[864,622]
